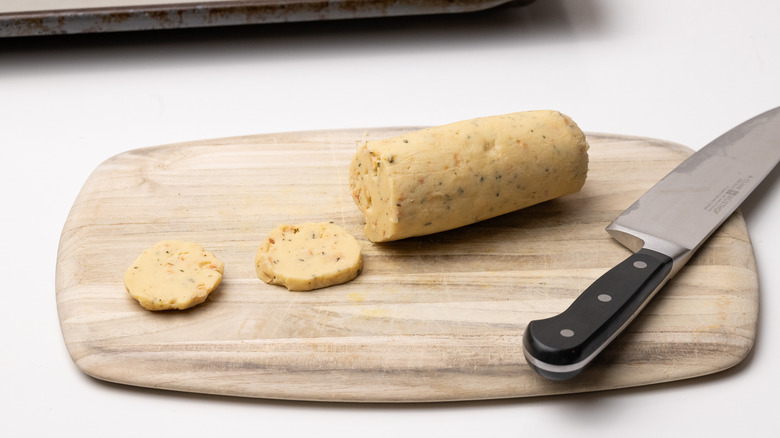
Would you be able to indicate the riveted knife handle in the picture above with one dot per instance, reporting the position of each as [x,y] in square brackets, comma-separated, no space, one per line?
[560,347]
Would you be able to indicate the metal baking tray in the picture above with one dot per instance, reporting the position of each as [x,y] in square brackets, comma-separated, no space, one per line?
[53,17]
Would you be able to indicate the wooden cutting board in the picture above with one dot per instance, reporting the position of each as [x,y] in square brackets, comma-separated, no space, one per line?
[434,318]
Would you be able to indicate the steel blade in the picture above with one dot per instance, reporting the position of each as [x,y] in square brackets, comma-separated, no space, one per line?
[693,200]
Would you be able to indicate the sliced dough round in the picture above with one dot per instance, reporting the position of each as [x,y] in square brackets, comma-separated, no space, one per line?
[173,275]
[308,256]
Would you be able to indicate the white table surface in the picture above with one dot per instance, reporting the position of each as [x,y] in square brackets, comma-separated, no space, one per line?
[683,71]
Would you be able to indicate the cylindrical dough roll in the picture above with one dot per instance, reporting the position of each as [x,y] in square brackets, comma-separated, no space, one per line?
[445,177]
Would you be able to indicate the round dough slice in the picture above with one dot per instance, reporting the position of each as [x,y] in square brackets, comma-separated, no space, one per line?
[308,256]
[173,275]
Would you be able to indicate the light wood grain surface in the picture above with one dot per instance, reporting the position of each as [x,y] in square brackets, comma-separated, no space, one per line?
[434,318]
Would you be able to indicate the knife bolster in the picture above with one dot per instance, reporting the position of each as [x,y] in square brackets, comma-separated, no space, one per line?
[636,240]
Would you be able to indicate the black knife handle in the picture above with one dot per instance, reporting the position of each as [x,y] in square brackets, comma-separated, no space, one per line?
[560,347]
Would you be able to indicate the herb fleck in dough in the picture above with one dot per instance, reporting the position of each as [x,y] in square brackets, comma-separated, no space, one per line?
[173,275]
[308,256]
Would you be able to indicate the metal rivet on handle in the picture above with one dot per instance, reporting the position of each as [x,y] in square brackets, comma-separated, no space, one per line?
[567,333]
[640,265]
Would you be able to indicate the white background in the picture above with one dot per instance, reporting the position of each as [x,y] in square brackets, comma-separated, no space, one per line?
[684,71]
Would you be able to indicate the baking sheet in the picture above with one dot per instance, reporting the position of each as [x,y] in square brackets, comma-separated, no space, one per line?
[52,17]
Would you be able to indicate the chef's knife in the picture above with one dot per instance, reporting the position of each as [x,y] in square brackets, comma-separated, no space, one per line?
[663,228]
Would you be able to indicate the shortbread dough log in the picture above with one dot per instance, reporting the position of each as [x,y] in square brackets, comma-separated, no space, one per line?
[173,274]
[445,177]
[308,256]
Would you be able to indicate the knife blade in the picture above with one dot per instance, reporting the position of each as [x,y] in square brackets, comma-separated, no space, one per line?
[663,229]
